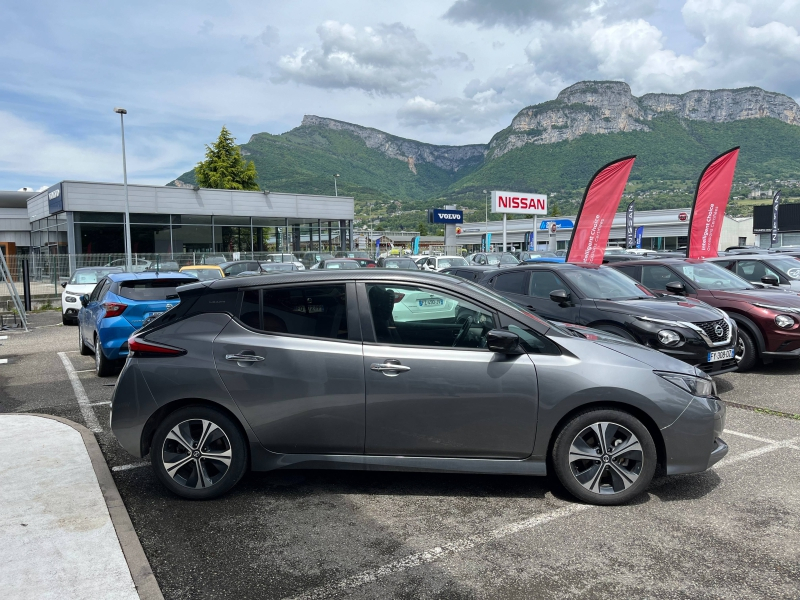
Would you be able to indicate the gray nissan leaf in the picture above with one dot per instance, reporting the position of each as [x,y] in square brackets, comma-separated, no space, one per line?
[406,371]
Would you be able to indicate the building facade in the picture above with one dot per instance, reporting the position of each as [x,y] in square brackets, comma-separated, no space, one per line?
[788,224]
[75,217]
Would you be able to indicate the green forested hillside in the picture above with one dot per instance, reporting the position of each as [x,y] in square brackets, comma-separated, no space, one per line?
[669,160]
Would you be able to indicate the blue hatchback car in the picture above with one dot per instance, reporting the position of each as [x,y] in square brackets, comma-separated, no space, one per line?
[119,305]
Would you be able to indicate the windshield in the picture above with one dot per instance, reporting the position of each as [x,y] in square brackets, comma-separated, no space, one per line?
[501,259]
[281,258]
[92,276]
[605,284]
[711,277]
[204,274]
[343,264]
[277,266]
[790,266]
[457,262]
[400,264]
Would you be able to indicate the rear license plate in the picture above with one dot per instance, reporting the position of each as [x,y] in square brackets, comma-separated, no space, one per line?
[154,315]
[720,355]
[431,302]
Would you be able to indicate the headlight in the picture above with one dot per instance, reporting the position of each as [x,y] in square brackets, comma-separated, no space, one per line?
[669,337]
[74,299]
[697,386]
[784,321]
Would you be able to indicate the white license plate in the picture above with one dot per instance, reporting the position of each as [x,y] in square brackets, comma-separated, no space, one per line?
[431,302]
[720,355]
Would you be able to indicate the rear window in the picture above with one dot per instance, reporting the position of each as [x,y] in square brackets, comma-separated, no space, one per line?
[151,289]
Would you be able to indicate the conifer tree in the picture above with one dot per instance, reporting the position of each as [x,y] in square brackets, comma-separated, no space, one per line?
[224,168]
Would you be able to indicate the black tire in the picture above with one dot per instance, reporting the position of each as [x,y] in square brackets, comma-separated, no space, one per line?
[746,352]
[189,422]
[103,366]
[83,349]
[65,320]
[612,478]
[618,331]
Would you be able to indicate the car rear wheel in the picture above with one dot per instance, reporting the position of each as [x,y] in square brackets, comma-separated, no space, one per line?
[83,349]
[198,453]
[102,365]
[746,353]
[604,456]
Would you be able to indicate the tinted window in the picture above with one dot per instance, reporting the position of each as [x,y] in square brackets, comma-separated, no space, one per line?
[605,284]
[250,313]
[96,291]
[534,343]
[513,283]
[656,277]
[753,270]
[415,316]
[315,311]
[150,289]
[544,282]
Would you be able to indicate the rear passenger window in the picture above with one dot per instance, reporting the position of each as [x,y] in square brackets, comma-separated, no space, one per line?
[513,283]
[314,311]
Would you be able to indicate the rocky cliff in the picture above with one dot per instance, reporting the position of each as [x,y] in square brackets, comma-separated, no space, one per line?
[596,107]
[450,158]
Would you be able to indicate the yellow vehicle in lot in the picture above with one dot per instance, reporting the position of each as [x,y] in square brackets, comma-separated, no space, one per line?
[204,272]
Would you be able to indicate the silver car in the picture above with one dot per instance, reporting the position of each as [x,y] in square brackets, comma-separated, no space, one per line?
[395,370]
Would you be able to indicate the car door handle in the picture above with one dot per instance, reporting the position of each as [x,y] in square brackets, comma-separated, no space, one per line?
[389,368]
[244,357]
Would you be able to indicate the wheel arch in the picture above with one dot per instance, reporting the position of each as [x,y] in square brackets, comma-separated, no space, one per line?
[150,426]
[750,327]
[647,421]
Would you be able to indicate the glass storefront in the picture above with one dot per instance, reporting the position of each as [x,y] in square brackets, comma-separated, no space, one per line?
[104,233]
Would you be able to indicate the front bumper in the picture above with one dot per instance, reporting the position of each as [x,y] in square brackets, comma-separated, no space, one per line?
[693,442]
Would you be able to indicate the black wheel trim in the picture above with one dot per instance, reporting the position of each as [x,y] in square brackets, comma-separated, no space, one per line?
[196,454]
[606,458]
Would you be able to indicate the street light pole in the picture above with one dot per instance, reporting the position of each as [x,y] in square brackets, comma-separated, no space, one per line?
[128,261]
[335,188]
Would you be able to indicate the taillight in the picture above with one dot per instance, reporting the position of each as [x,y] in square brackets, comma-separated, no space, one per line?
[140,347]
[371,265]
[398,296]
[113,309]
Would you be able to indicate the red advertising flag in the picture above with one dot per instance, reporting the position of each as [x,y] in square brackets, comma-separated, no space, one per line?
[597,210]
[710,200]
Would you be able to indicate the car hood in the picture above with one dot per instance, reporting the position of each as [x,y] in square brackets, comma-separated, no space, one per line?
[79,289]
[658,361]
[672,308]
[774,296]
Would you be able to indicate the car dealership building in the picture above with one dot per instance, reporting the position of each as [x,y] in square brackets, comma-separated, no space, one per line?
[78,217]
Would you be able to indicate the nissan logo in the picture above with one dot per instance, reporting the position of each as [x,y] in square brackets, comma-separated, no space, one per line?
[719,330]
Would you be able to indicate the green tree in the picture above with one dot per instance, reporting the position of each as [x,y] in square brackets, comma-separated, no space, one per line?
[423,228]
[554,210]
[224,168]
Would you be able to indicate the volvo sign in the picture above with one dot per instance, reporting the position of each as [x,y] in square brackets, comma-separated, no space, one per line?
[446,215]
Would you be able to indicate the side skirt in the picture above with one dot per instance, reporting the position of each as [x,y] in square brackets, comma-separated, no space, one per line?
[263,460]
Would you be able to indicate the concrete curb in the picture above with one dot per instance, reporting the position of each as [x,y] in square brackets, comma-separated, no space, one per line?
[141,573]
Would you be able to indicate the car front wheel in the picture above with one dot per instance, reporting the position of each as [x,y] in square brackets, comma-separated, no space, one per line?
[746,354]
[198,453]
[604,456]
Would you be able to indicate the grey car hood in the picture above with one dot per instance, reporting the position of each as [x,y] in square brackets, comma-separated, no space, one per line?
[658,361]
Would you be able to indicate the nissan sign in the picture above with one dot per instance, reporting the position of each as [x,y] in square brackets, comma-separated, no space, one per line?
[443,215]
[518,203]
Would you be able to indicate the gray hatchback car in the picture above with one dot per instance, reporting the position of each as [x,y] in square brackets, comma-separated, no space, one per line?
[397,370]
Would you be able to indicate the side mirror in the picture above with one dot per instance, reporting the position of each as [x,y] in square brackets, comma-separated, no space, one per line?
[770,280]
[504,342]
[676,288]
[560,296]
[84,300]
[63,284]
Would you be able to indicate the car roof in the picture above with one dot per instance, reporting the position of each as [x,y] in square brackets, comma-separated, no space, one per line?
[216,267]
[149,275]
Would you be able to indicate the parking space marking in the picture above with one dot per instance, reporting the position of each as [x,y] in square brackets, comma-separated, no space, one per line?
[85,371]
[106,403]
[3,337]
[428,556]
[131,466]
[80,395]
[750,437]
[3,361]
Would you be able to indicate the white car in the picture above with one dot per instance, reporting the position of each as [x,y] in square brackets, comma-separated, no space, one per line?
[137,264]
[82,282]
[421,306]
[285,258]
[437,263]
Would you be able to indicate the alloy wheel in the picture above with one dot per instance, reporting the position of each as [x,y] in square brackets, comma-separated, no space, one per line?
[740,350]
[196,453]
[606,458]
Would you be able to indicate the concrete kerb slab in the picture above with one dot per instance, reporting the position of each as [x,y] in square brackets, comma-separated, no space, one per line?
[146,585]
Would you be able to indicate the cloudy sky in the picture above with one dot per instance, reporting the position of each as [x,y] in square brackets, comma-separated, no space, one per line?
[448,72]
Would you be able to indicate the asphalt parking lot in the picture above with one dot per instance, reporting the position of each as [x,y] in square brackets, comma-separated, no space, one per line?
[731,532]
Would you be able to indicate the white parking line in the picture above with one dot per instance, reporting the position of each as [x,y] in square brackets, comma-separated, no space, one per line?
[99,403]
[85,371]
[131,466]
[3,337]
[3,361]
[427,556]
[750,437]
[80,395]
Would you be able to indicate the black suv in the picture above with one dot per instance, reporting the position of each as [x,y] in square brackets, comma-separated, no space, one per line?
[605,299]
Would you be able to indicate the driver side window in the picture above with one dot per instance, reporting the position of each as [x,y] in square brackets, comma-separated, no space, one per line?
[404,315]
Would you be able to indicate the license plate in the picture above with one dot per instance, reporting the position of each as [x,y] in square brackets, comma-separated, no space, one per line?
[720,355]
[154,315]
[431,302]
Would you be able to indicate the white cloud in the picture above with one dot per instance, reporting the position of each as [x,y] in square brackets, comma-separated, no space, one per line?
[386,59]
[29,151]
[480,110]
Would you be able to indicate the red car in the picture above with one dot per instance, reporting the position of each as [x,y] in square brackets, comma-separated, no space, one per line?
[768,318]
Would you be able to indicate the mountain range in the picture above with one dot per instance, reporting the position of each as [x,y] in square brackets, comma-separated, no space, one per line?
[552,148]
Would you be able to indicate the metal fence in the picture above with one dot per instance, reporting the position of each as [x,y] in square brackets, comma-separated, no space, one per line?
[49,271]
